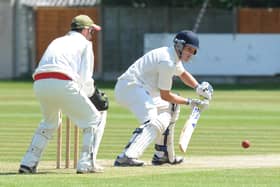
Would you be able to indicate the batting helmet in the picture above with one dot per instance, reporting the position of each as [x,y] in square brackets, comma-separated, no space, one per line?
[185,38]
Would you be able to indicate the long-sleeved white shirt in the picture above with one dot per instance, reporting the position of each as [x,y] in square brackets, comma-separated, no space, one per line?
[73,56]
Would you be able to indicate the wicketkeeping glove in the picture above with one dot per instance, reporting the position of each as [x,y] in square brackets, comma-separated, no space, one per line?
[100,100]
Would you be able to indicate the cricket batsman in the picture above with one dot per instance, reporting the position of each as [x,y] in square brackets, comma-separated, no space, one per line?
[63,82]
[145,89]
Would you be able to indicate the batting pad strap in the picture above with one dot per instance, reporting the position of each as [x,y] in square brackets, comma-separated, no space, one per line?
[35,151]
[161,148]
[135,133]
[88,130]
[138,130]
[47,133]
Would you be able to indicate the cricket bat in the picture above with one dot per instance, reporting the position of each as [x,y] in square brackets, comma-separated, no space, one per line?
[188,129]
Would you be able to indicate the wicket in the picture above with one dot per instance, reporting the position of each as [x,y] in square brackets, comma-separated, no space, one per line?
[67,144]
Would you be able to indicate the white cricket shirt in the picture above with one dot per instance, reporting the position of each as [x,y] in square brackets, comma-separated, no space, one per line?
[71,55]
[155,70]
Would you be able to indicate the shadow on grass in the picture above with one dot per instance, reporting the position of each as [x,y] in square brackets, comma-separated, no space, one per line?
[16,173]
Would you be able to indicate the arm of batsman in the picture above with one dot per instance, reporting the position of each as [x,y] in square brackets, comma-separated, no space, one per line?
[205,90]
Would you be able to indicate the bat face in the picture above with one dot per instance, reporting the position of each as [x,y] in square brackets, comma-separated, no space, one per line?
[195,114]
[188,129]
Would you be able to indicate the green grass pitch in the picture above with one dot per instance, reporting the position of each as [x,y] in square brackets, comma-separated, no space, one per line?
[214,158]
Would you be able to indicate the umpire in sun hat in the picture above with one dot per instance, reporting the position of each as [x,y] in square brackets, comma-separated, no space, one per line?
[63,82]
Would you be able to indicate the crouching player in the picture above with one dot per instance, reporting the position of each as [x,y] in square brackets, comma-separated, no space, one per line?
[145,89]
[63,82]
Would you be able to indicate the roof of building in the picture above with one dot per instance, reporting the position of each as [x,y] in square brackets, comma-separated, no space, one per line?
[63,3]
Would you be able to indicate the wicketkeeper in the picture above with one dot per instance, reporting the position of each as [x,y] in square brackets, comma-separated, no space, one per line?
[145,89]
[63,82]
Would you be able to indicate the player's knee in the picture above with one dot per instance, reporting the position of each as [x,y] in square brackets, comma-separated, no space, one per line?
[91,122]
[171,111]
[40,140]
[161,122]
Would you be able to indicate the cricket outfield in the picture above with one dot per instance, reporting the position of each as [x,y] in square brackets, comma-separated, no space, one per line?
[214,158]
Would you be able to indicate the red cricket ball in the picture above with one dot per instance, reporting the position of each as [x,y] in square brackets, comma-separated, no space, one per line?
[245,144]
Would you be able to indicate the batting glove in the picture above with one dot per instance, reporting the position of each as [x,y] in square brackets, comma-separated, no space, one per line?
[205,90]
[201,104]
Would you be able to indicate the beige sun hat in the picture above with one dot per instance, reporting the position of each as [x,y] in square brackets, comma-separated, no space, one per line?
[84,21]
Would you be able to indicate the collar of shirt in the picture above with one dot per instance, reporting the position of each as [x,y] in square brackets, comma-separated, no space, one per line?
[174,55]
[77,34]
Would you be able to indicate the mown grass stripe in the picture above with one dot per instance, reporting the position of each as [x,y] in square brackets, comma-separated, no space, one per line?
[231,117]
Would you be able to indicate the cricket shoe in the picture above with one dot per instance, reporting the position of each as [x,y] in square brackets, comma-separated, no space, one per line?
[89,168]
[124,161]
[87,165]
[164,160]
[27,170]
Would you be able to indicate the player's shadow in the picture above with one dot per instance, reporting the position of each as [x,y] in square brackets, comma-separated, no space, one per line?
[16,173]
[9,173]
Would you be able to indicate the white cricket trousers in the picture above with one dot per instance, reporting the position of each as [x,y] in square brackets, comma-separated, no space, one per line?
[62,95]
[138,100]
